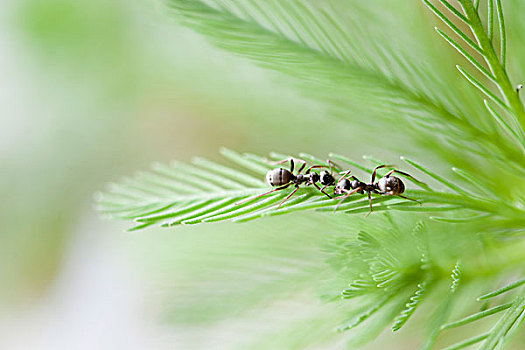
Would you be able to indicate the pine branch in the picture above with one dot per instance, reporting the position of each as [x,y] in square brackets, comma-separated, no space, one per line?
[311,46]
[492,59]
[396,261]
[210,192]
[485,47]
[396,265]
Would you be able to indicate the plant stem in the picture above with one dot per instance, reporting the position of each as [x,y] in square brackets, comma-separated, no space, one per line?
[504,85]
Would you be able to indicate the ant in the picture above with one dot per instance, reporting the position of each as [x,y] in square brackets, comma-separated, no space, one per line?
[282,178]
[387,186]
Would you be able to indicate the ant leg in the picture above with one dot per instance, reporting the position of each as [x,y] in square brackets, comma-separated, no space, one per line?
[314,167]
[410,199]
[330,166]
[348,194]
[369,202]
[322,189]
[375,169]
[351,177]
[264,194]
[291,160]
[302,166]
[403,173]
[287,197]
[346,174]
[340,202]
[354,178]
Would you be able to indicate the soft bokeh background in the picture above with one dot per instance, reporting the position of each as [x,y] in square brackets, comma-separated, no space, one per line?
[93,90]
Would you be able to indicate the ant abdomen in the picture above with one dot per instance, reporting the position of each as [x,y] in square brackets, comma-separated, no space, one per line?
[278,177]
[391,185]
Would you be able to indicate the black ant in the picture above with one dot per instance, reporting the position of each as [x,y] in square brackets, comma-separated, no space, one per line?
[282,178]
[387,186]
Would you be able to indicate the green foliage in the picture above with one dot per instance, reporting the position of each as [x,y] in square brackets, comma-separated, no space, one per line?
[404,268]
[404,261]
[500,332]
[210,192]
[514,120]
[310,42]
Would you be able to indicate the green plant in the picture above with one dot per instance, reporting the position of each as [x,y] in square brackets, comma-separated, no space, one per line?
[466,237]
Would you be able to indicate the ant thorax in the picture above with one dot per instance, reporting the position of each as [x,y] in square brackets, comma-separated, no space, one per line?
[312,177]
[326,178]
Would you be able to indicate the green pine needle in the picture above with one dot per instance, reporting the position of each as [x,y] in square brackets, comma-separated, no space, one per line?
[499,332]
[468,56]
[410,307]
[456,277]
[502,290]
[366,315]
[454,28]
[468,342]
[477,316]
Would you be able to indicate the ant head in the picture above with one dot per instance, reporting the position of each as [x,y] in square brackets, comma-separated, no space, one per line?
[326,178]
[391,185]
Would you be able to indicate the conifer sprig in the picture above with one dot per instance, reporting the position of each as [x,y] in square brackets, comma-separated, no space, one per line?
[485,45]
[209,192]
[457,244]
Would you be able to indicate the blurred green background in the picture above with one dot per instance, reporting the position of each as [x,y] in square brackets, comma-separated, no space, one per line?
[93,90]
